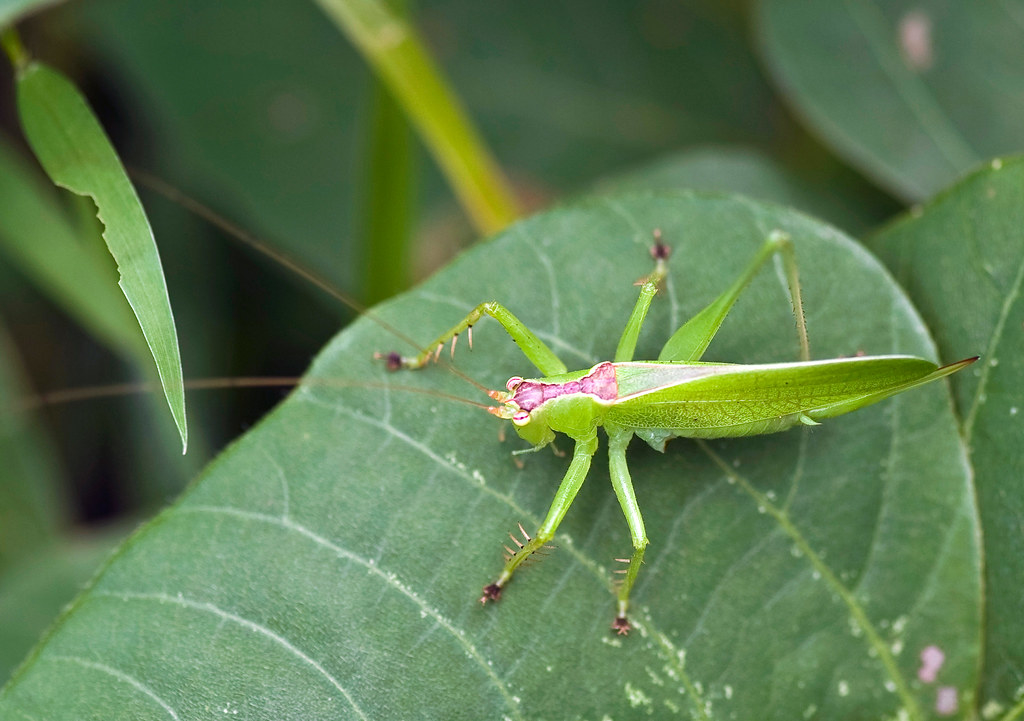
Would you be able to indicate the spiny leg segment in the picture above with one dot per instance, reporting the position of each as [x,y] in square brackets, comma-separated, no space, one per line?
[533,347]
[564,496]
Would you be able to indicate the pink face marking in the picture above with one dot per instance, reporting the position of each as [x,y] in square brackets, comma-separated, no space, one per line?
[600,382]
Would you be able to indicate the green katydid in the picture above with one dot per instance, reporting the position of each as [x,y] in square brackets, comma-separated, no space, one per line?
[677,395]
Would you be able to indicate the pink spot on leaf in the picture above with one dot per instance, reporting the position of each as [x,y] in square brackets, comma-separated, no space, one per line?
[946,701]
[916,40]
[932,659]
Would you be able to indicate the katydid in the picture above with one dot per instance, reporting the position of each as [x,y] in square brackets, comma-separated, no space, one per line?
[676,395]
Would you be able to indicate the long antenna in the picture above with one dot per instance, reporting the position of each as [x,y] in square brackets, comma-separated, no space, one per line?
[219,221]
[72,395]
[239,233]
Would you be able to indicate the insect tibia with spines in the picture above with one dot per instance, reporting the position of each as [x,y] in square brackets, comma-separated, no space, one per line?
[527,551]
[536,350]
[529,559]
[520,545]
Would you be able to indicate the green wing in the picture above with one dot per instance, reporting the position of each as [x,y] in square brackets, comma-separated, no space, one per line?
[719,400]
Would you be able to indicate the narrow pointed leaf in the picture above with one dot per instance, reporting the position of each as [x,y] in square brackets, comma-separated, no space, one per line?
[38,239]
[76,154]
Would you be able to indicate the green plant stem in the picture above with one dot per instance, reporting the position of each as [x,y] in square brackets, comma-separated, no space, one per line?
[12,45]
[388,202]
[395,51]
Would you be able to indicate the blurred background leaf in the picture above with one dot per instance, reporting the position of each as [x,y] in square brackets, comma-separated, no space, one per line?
[742,169]
[13,10]
[31,504]
[912,93]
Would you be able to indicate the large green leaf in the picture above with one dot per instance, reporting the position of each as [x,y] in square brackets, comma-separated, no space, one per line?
[962,259]
[913,93]
[328,565]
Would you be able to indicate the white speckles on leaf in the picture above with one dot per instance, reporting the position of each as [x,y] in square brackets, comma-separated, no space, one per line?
[991,710]
[636,697]
[655,678]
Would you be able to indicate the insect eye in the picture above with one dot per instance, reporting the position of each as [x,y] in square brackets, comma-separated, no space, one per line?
[513,383]
[521,418]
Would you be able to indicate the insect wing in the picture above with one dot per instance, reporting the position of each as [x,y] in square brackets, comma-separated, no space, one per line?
[711,400]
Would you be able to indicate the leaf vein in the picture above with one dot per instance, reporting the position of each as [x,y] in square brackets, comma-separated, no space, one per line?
[208,607]
[857,612]
[375,569]
[121,676]
[990,351]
